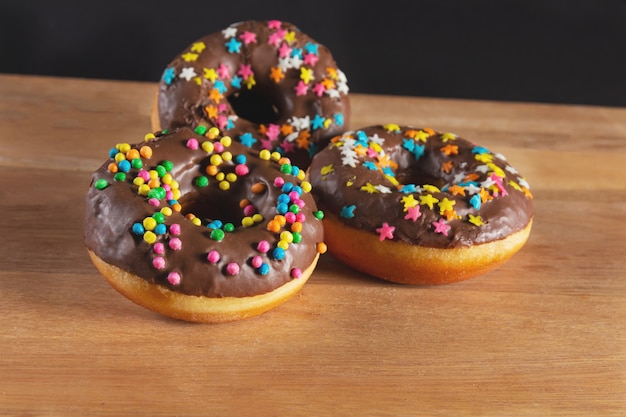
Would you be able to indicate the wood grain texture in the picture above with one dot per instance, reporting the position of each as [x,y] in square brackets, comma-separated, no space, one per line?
[545,334]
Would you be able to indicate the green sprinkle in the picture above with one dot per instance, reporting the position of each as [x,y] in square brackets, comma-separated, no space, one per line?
[202,181]
[217,234]
[286,168]
[101,184]
[158,193]
[319,214]
[229,227]
[120,176]
[136,163]
[159,217]
[297,237]
[168,165]
[160,169]
[294,209]
[201,130]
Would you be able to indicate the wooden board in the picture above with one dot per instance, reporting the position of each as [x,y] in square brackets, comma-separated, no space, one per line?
[543,335]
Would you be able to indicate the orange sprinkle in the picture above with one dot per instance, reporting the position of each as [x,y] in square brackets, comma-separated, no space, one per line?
[429,131]
[212,170]
[177,207]
[244,202]
[258,188]
[284,160]
[273,226]
[296,227]
[472,176]
[321,247]
[280,219]
[154,183]
[146,152]
[447,167]
[112,167]
[132,154]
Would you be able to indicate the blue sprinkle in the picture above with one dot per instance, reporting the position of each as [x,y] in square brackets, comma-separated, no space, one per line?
[475,201]
[240,159]
[124,165]
[283,198]
[297,189]
[247,140]
[296,52]
[282,208]
[311,48]
[295,170]
[112,153]
[278,254]
[408,188]
[408,144]
[215,224]
[418,151]
[138,229]
[370,165]
[264,269]
[338,119]
[388,171]
[479,150]
[160,229]
[220,86]
[233,46]
[317,122]
[347,211]
[236,82]
[168,75]
[287,187]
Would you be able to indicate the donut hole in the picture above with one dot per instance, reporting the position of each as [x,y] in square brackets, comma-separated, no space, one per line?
[420,172]
[254,106]
[205,208]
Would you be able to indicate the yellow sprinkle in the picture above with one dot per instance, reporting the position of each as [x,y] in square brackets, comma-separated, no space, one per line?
[149,237]
[153,174]
[143,189]
[276,156]
[265,154]
[283,244]
[174,185]
[231,177]
[167,179]
[149,223]
[301,175]
[166,211]
[213,133]
[148,137]
[376,147]
[196,221]
[257,218]
[138,181]
[327,169]
[220,176]
[227,156]
[286,236]
[224,185]
[247,222]
[216,160]
[123,147]
[176,194]
[119,157]
[431,188]
[306,186]
[226,141]
[207,146]
[392,127]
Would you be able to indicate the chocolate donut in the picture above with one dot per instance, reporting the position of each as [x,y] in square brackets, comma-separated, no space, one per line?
[201,228]
[416,206]
[266,84]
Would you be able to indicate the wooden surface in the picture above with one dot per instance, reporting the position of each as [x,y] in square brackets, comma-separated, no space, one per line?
[543,335]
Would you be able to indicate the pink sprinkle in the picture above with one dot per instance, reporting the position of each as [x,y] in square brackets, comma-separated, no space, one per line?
[175,243]
[245,70]
[296,273]
[175,229]
[263,246]
[301,88]
[290,217]
[158,262]
[256,261]
[232,268]
[169,195]
[274,24]
[300,217]
[272,132]
[213,257]
[249,210]
[144,175]
[300,203]
[293,195]
[223,71]
[166,187]
[218,147]
[158,248]
[173,278]
[154,202]
[279,181]
[319,89]
[242,169]
[192,143]
[284,51]
[310,59]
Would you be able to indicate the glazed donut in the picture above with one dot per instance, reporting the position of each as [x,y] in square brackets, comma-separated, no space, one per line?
[415,206]
[265,84]
[198,227]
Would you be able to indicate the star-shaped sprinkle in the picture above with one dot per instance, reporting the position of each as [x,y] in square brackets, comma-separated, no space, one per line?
[409,201]
[445,137]
[229,32]
[189,57]
[327,169]
[247,139]
[187,73]
[248,37]
[385,231]
[428,200]
[276,74]
[450,149]
[441,227]
[413,213]
[198,47]
[301,88]
[392,127]
[317,122]
[306,75]
[168,75]
[347,211]
[369,188]
[233,46]
[475,220]
[445,205]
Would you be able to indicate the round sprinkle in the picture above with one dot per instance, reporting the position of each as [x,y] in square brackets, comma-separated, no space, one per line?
[213,256]
[226,141]
[278,254]
[101,184]
[175,244]
[160,229]
[124,165]
[242,170]
[224,185]
[202,181]
[263,269]
[240,159]
[319,214]
[138,229]
[149,223]
[192,143]
[145,152]
[159,217]
[175,229]
[321,247]
[229,228]
[306,186]
[136,163]
[256,261]
[217,234]
[168,165]
[158,248]
[149,237]
[285,168]
[158,262]
[279,182]
[120,177]
[258,188]
[265,155]
[213,133]
[263,246]
[149,136]
[296,273]
[173,278]
[200,130]
[247,221]
[207,146]
[297,237]
[232,268]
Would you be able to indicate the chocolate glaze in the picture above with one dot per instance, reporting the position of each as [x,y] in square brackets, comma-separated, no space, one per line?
[185,91]
[337,186]
[111,212]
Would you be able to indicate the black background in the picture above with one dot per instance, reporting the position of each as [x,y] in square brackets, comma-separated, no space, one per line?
[535,50]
